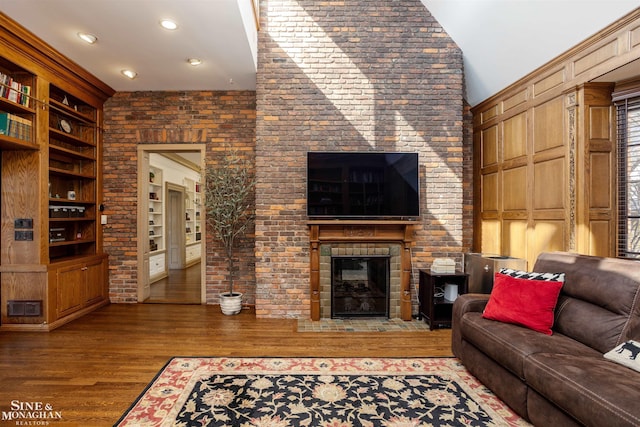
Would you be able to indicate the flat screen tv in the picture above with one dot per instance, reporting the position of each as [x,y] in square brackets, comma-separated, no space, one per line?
[362,185]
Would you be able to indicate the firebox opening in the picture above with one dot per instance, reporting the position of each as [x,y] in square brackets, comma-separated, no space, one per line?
[360,286]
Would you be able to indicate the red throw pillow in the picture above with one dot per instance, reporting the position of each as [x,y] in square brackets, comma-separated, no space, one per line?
[525,302]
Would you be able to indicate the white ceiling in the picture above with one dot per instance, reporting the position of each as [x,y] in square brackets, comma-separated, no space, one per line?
[504,40]
[501,40]
[130,36]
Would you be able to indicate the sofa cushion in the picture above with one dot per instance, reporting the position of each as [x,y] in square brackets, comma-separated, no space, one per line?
[510,345]
[533,275]
[593,390]
[590,324]
[523,301]
[600,302]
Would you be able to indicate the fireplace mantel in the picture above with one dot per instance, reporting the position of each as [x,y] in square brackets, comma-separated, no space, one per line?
[360,231]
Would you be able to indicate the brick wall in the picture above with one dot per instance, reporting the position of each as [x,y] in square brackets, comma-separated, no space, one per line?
[133,118]
[356,75]
[332,75]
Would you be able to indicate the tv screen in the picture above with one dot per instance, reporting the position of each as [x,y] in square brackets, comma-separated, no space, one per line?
[362,185]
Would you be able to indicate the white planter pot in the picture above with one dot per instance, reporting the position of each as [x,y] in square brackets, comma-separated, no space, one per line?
[231,303]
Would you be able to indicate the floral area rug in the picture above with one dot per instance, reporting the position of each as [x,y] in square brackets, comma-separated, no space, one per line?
[325,392]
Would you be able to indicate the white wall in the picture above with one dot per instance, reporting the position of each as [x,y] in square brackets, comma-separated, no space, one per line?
[504,40]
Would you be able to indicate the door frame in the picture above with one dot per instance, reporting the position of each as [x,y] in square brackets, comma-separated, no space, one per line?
[142,213]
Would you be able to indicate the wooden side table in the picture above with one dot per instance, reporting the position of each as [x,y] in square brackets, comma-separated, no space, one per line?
[433,306]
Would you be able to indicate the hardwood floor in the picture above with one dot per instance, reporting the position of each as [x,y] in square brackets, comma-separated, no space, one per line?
[179,287]
[92,369]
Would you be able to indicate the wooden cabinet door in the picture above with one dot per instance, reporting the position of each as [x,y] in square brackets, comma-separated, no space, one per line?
[69,289]
[94,285]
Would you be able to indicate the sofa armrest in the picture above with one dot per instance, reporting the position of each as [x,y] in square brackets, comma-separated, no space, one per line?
[464,304]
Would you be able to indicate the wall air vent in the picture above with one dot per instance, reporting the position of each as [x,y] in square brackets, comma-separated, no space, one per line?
[21,308]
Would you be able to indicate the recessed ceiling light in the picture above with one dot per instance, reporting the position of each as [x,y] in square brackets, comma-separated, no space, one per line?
[129,74]
[168,24]
[89,38]
[194,61]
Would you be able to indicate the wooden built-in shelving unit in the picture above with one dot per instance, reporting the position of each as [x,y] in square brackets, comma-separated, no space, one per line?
[52,265]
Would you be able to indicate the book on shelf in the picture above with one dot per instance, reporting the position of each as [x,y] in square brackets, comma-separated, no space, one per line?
[14,91]
[15,126]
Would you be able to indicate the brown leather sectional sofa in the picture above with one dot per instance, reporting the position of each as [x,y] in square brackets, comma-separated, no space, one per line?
[562,379]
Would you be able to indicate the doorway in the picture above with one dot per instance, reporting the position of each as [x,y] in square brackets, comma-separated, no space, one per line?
[171,213]
[175,225]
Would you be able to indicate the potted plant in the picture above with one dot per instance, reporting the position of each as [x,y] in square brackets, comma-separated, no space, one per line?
[229,194]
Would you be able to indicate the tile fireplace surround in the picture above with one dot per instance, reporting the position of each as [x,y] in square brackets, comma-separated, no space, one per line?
[330,250]
[360,238]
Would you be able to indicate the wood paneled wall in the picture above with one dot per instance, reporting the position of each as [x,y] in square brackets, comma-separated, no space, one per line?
[545,153]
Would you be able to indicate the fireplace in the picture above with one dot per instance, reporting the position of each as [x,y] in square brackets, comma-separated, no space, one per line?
[351,239]
[347,254]
[359,286]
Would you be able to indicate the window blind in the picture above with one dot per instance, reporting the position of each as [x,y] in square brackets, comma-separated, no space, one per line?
[628,127]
